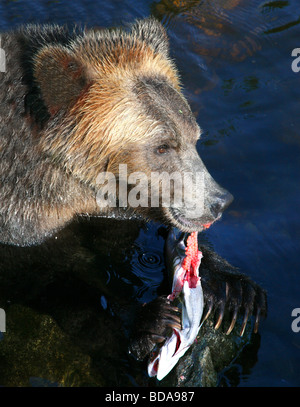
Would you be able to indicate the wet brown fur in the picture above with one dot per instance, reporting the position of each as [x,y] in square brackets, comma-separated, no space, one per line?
[77,103]
[104,115]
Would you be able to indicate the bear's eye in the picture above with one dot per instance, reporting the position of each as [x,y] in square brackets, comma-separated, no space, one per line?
[163,149]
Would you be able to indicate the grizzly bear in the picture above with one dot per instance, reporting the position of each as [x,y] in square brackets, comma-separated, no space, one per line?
[78,103]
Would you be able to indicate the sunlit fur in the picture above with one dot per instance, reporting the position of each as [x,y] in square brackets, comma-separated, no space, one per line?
[105,116]
[75,103]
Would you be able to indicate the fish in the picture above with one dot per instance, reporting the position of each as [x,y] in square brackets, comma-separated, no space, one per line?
[187,288]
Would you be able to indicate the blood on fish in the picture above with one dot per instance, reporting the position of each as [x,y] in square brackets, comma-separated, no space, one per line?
[155,366]
[178,341]
[192,260]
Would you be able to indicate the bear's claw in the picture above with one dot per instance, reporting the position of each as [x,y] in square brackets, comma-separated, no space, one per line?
[154,325]
[228,292]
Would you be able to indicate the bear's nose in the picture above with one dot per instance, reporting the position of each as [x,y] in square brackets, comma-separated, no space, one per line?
[221,202]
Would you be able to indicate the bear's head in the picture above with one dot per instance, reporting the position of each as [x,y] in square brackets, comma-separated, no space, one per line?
[116,108]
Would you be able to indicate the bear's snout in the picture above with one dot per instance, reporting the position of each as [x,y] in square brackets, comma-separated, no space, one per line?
[221,202]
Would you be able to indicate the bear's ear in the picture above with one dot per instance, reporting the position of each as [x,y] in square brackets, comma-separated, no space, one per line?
[153,33]
[60,76]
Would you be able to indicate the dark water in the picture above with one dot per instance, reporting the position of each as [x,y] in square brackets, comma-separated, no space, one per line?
[234,57]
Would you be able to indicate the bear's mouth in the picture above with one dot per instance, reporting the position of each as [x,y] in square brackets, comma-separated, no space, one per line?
[189,225]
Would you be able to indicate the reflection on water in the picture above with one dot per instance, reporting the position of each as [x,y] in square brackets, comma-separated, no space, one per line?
[234,57]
